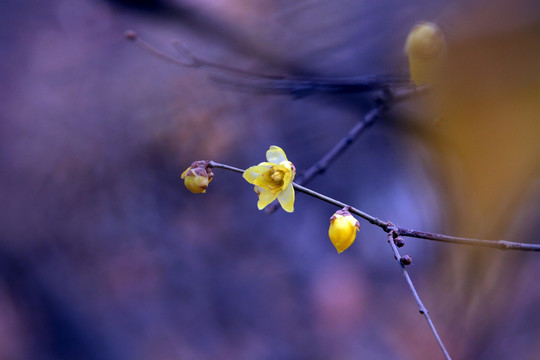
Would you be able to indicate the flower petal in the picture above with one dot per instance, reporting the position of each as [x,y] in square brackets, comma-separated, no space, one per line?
[184,174]
[286,198]
[254,172]
[342,231]
[262,183]
[275,155]
[287,179]
[265,198]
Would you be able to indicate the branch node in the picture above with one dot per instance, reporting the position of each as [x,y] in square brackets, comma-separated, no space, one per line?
[391,229]
[505,245]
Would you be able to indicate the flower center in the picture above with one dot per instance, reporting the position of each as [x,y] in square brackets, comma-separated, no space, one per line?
[274,178]
[277,175]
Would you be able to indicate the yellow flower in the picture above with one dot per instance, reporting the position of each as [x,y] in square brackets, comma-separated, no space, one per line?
[342,231]
[197,177]
[426,48]
[273,179]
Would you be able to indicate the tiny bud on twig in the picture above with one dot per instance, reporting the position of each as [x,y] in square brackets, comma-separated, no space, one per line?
[405,260]
[399,242]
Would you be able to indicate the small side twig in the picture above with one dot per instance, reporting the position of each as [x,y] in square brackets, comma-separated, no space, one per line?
[320,166]
[367,120]
[421,306]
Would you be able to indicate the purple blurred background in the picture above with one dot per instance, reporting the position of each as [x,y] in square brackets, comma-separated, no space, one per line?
[105,255]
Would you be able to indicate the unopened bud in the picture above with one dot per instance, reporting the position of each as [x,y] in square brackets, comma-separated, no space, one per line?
[405,260]
[426,48]
[399,242]
[197,177]
[342,231]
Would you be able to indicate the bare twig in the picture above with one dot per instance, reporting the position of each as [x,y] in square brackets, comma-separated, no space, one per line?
[387,226]
[303,86]
[497,244]
[320,166]
[297,86]
[367,120]
[190,60]
[421,306]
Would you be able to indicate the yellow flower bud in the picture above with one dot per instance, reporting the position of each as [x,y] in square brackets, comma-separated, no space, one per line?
[197,177]
[426,48]
[342,231]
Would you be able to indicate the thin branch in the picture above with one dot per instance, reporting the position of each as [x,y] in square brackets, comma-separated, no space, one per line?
[421,306]
[303,86]
[387,226]
[497,244]
[320,166]
[190,60]
[214,164]
[367,120]
[297,86]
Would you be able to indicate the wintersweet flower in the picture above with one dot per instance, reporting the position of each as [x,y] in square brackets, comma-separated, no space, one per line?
[198,176]
[273,179]
[342,231]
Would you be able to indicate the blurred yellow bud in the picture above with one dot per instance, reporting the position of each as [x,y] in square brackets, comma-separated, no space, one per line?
[342,231]
[426,48]
[273,179]
[198,176]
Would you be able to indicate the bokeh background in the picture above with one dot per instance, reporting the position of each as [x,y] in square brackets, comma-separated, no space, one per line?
[105,255]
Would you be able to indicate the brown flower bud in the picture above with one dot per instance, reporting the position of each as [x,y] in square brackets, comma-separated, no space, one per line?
[399,242]
[405,260]
[198,176]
